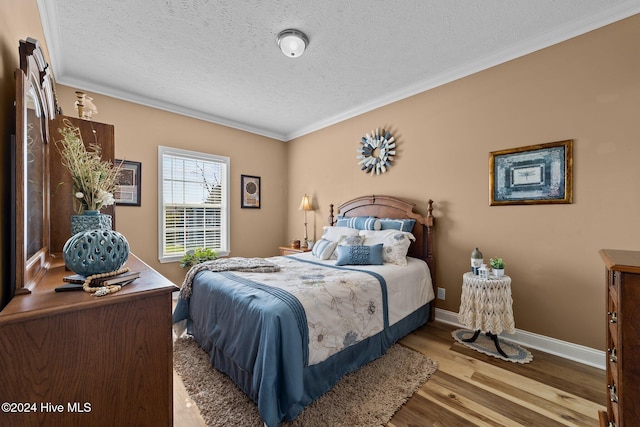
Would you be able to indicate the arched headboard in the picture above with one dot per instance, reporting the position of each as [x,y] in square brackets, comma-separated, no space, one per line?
[393,207]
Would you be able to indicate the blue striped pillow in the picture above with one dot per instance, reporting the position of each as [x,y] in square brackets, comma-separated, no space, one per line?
[397,224]
[323,248]
[359,222]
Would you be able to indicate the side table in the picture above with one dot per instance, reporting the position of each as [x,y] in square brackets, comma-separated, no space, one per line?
[288,250]
[486,306]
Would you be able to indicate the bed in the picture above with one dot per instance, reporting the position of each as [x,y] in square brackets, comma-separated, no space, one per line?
[288,330]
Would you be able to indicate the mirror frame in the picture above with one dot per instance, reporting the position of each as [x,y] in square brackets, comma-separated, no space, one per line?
[33,78]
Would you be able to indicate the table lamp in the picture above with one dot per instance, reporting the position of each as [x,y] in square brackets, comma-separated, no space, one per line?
[305,205]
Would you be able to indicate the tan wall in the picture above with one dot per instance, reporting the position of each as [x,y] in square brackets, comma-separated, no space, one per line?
[139,130]
[586,89]
[18,20]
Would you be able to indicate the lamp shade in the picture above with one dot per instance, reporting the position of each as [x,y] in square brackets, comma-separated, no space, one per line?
[292,43]
[305,204]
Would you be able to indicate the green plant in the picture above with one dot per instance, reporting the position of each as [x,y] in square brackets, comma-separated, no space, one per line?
[496,263]
[197,256]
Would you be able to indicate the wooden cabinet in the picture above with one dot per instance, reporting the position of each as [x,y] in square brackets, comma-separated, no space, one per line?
[288,250]
[623,338]
[80,360]
[61,197]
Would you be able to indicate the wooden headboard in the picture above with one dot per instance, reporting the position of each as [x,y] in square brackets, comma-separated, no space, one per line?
[393,207]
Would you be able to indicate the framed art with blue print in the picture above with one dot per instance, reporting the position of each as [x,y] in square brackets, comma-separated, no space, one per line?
[536,174]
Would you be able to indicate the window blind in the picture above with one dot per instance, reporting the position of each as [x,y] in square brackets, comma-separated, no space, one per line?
[194,211]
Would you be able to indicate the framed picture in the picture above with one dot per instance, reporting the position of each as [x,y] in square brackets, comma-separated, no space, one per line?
[129,183]
[537,174]
[250,191]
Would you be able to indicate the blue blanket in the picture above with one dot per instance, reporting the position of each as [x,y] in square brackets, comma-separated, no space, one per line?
[258,335]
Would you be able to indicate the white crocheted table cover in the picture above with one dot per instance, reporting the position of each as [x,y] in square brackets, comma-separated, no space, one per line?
[485,304]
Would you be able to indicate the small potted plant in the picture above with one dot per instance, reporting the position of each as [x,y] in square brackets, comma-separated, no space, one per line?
[497,266]
[197,256]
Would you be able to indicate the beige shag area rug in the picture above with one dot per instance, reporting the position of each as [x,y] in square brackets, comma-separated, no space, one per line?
[367,397]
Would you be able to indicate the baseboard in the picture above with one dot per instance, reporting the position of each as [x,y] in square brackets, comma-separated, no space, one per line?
[567,350]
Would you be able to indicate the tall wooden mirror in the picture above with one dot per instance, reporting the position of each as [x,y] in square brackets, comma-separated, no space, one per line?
[35,106]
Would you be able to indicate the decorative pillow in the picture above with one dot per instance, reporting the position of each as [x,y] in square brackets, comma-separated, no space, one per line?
[323,248]
[359,255]
[359,222]
[348,241]
[397,224]
[335,234]
[352,241]
[395,244]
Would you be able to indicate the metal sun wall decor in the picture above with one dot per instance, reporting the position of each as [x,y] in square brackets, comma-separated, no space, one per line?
[377,152]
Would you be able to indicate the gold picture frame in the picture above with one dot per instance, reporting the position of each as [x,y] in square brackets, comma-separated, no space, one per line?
[532,175]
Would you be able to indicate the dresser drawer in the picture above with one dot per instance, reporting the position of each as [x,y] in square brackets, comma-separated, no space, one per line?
[614,416]
[614,285]
[612,323]
[613,293]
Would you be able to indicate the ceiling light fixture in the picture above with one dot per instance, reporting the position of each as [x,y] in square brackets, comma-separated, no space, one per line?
[292,42]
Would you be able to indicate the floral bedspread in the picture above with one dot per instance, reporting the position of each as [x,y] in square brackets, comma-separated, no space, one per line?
[343,305]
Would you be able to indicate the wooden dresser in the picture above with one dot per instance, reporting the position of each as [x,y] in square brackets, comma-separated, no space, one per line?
[623,338]
[73,359]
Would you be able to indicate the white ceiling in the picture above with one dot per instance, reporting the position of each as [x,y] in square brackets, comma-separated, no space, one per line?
[219,61]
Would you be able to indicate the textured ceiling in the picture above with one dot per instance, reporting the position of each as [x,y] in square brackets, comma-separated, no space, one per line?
[219,61]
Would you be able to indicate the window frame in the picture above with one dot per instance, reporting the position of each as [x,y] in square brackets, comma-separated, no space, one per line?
[225,214]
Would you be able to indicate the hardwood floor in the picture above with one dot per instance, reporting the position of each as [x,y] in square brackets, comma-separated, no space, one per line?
[185,411]
[472,389]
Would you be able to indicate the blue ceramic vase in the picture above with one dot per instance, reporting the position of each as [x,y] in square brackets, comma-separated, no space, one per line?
[95,251]
[90,220]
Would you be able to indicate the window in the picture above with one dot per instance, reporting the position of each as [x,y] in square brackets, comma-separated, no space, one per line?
[193,203]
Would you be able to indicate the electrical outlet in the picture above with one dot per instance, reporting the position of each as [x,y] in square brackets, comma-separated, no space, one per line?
[441,292]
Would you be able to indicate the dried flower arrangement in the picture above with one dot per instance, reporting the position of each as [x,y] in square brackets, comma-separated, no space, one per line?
[94,180]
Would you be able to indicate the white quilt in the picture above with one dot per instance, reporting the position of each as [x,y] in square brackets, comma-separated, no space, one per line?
[344,306]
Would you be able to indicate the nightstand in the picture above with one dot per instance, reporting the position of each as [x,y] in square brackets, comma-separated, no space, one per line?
[288,250]
[486,306]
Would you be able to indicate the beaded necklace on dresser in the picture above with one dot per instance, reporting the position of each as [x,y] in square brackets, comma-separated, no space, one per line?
[103,290]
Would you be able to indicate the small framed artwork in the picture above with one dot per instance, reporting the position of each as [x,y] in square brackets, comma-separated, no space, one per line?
[129,183]
[250,191]
[536,174]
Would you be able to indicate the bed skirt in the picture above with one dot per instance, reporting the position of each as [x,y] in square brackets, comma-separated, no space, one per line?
[318,378]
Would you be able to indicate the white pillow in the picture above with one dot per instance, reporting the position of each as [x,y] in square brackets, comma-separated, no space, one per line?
[351,241]
[335,234]
[348,241]
[395,244]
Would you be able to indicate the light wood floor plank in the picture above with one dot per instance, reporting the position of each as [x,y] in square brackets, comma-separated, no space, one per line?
[549,407]
[511,409]
[467,409]
[550,370]
[185,411]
